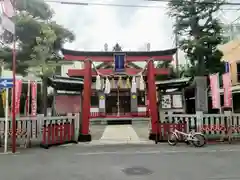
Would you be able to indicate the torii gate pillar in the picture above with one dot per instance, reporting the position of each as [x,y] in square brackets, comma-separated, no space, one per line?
[152,99]
[84,135]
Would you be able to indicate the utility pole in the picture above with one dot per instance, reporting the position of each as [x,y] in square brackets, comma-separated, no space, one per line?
[176,45]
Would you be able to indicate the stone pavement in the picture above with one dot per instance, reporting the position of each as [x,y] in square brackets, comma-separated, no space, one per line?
[119,133]
[142,129]
[128,162]
[138,131]
[97,131]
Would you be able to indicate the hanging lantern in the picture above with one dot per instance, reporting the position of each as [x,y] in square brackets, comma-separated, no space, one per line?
[98,82]
[128,85]
[141,84]
[134,85]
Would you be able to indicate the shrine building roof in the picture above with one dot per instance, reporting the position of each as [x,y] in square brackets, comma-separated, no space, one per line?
[174,83]
[65,83]
[77,84]
[111,53]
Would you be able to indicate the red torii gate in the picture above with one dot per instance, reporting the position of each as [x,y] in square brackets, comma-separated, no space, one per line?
[130,56]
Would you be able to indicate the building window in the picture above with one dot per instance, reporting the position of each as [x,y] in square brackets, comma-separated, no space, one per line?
[238,72]
[141,98]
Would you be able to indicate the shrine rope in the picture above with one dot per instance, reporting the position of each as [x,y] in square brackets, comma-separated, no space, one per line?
[138,74]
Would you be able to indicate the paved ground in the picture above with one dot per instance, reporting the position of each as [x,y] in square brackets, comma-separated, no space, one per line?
[141,130]
[97,131]
[120,133]
[118,162]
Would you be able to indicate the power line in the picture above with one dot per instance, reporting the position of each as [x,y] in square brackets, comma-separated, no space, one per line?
[76,3]
[102,4]
[235,20]
[205,2]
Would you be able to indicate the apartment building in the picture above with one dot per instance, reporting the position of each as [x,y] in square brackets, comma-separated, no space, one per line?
[231,55]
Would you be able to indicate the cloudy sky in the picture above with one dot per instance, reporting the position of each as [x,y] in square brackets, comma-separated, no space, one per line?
[133,28]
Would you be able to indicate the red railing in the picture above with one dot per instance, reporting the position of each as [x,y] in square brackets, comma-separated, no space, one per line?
[166,128]
[112,115]
[58,132]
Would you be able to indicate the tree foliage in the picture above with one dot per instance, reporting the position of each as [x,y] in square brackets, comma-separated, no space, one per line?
[38,41]
[199,33]
[172,71]
[33,16]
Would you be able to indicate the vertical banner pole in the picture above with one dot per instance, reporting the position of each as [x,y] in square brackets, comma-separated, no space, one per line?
[34,98]
[14,98]
[28,98]
[6,123]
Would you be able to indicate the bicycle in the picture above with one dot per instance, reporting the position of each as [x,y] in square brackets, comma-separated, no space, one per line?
[195,138]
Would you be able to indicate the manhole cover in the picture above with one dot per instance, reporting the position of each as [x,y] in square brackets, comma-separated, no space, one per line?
[140,171]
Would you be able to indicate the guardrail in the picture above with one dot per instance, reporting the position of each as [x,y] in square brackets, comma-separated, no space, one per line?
[46,131]
[214,126]
[115,115]
[27,129]
[59,130]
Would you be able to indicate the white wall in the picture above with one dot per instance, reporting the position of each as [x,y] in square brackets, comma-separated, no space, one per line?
[75,65]
[8,74]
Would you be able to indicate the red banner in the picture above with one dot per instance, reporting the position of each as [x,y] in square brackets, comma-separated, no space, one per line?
[34,98]
[214,85]
[227,84]
[17,96]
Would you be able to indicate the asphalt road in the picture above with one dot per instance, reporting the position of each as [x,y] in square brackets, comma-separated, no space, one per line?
[118,162]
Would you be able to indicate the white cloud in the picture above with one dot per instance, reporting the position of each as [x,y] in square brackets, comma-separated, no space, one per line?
[131,27]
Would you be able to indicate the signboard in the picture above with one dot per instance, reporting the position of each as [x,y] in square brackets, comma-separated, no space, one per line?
[177,101]
[119,62]
[6,83]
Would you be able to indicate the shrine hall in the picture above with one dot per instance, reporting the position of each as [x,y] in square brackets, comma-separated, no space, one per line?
[118,87]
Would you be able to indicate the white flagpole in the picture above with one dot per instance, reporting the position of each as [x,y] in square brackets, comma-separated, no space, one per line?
[6,123]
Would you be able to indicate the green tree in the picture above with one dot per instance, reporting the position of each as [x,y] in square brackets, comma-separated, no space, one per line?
[38,38]
[199,33]
[172,69]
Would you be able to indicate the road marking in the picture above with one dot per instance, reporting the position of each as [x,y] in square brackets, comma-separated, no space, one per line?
[155,152]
